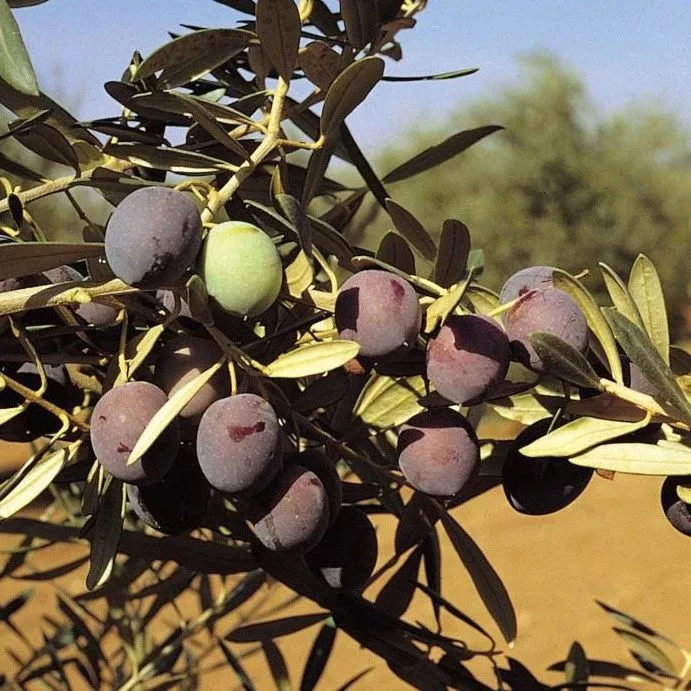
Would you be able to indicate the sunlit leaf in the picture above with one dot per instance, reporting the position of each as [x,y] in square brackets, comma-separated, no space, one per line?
[312,358]
[578,435]
[646,290]
[648,651]
[15,65]
[619,293]
[638,458]
[594,317]
[385,402]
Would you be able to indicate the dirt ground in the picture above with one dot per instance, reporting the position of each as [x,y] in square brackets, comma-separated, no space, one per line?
[613,544]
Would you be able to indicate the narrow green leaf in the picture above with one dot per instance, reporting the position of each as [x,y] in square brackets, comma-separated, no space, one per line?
[278,28]
[646,290]
[320,63]
[15,65]
[411,229]
[596,320]
[563,360]
[619,294]
[318,163]
[394,250]
[105,533]
[190,57]
[363,166]
[432,77]
[27,258]
[312,358]
[452,255]
[49,143]
[386,402]
[578,435]
[319,656]
[277,665]
[648,651]
[35,481]
[488,584]
[483,300]
[170,410]
[628,620]
[638,458]
[640,350]
[439,153]
[348,91]
[167,158]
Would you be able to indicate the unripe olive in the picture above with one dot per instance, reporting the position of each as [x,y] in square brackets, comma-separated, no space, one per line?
[241,268]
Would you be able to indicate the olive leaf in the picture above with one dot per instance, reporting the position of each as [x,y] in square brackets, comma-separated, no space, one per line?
[312,358]
[452,255]
[486,580]
[639,349]
[593,316]
[27,258]
[646,290]
[278,28]
[648,651]
[170,410]
[360,17]
[15,65]
[621,298]
[318,656]
[638,458]
[578,435]
[576,669]
[563,360]
[190,57]
[386,402]
[394,250]
[348,91]
[105,533]
[320,63]
[275,628]
[411,229]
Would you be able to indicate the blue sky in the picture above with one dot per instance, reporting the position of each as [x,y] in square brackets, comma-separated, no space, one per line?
[625,50]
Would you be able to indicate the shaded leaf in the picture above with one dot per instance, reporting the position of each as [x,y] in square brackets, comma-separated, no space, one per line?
[639,349]
[439,153]
[578,435]
[236,666]
[638,458]
[189,57]
[277,665]
[648,651]
[363,166]
[167,158]
[105,533]
[320,63]
[452,255]
[294,212]
[312,358]
[360,17]
[278,28]
[432,77]
[646,290]
[27,258]
[576,669]
[594,317]
[411,229]
[48,142]
[628,620]
[319,656]
[322,392]
[563,360]
[15,65]
[395,597]
[394,250]
[348,91]
[269,630]
[485,578]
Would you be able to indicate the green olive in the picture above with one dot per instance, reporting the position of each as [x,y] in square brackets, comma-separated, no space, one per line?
[241,268]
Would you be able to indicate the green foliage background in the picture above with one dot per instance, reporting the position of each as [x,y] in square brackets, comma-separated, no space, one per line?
[561,185]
